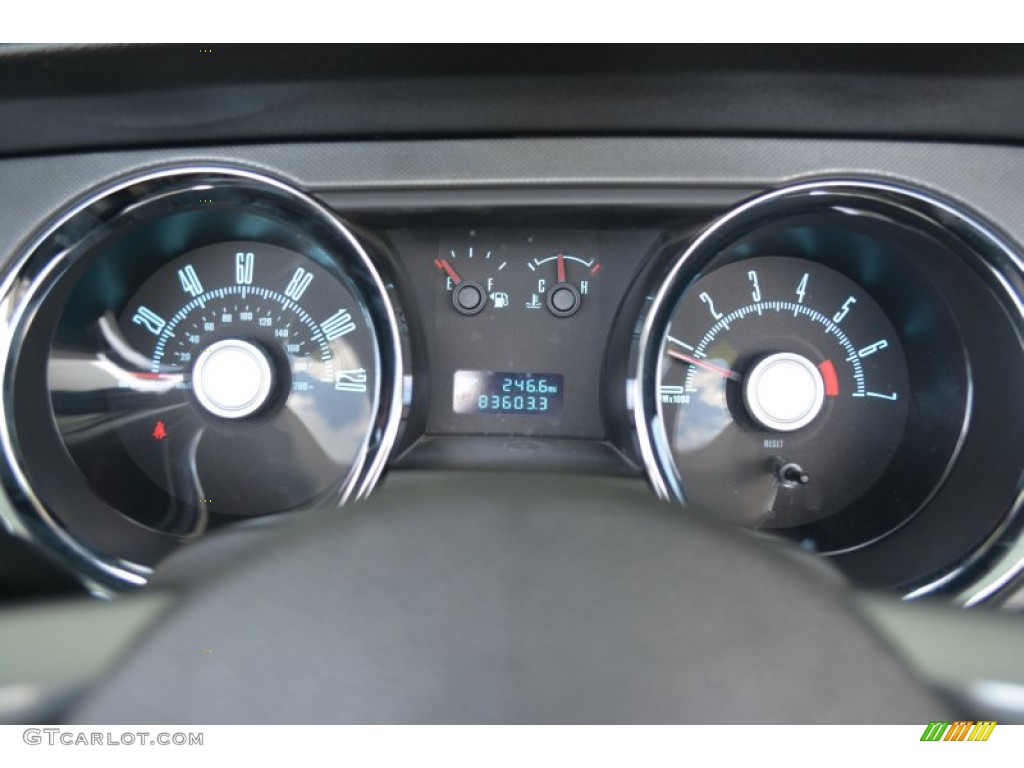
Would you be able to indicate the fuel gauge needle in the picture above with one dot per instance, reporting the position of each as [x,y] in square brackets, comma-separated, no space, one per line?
[726,372]
[444,265]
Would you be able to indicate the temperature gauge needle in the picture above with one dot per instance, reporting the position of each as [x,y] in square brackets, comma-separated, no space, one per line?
[726,372]
[561,268]
[444,265]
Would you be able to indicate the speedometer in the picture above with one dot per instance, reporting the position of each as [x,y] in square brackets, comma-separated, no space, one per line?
[189,347]
[252,353]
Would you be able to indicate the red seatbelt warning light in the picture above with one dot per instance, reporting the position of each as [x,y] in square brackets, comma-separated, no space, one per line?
[159,432]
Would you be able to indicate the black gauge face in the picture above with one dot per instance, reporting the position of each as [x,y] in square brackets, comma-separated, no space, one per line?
[244,382]
[811,379]
[784,391]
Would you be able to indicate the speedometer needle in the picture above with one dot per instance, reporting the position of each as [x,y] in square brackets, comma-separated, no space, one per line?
[726,372]
[444,265]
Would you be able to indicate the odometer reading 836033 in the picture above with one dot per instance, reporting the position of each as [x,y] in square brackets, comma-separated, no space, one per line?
[262,366]
[503,392]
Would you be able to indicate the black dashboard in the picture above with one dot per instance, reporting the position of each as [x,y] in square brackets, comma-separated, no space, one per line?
[231,296]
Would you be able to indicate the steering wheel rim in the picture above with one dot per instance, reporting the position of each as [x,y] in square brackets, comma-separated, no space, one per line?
[464,598]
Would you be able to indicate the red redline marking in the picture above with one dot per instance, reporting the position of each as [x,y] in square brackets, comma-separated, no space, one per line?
[594,269]
[148,375]
[828,373]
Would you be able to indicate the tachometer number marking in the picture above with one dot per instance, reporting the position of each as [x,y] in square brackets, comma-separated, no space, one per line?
[190,283]
[880,396]
[844,310]
[711,305]
[870,349]
[337,325]
[149,320]
[682,344]
[298,284]
[801,289]
[756,293]
[243,268]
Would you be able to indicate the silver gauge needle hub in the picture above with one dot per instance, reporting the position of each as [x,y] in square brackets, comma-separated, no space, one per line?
[232,379]
[784,392]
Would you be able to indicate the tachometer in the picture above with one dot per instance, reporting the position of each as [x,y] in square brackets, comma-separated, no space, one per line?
[800,372]
[784,390]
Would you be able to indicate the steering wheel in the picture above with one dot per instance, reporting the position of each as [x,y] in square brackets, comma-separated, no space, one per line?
[505,598]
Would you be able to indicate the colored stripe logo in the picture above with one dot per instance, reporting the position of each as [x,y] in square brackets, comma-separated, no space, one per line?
[960,730]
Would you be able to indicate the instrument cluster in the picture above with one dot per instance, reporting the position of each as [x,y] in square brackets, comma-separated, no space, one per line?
[832,362]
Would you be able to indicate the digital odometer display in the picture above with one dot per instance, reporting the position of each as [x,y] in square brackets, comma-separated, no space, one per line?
[503,392]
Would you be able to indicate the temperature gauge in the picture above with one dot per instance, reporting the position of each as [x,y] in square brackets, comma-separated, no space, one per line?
[562,283]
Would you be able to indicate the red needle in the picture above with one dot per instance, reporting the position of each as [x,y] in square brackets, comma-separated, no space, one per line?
[443,264]
[561,268]
[731,375]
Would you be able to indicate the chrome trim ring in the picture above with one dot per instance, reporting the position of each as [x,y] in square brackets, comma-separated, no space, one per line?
[995,562]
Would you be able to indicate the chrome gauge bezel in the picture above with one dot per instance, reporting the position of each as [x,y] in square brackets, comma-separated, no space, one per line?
[69,242]
[993,561]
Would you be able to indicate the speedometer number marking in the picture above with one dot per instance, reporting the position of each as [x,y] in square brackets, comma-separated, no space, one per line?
[149,320]
[243,268]
[189,280]
[337,325]
[298,284]
[351,380]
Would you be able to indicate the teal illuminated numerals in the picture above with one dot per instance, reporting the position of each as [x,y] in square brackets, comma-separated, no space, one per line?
[299,283]
[337,325]
[149,320]
[190,283]
[243,268]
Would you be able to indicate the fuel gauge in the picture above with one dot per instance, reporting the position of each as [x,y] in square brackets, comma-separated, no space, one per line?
[472,279]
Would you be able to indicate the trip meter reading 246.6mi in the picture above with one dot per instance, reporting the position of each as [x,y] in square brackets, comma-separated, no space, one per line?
[501,392]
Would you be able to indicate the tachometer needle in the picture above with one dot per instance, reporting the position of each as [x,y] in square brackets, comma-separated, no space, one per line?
[444,265]
[726,372]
